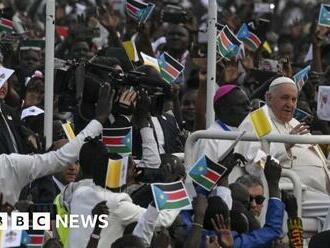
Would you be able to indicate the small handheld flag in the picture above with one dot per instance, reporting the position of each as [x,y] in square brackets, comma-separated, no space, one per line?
[147,12]
[148,60]
[6,26]
[118,139]
[116,173]
[206,173]
[260,122]
[11,238]
[68,131]
[36,238]
[131,51]
[301,77]
[267,47]
[170,68]
[228,45]
[170,196]
[249,39]
[138,10]
[324,16]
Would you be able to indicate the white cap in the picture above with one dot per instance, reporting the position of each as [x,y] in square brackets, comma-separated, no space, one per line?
[282,80]
[31,111]
[5,73]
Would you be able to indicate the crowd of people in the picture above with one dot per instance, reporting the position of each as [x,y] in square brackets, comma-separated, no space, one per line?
[99,87]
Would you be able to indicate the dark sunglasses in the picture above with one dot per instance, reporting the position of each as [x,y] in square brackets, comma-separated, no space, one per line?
[259,199]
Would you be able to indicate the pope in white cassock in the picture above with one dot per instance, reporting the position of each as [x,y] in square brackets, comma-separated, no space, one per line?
[307,161]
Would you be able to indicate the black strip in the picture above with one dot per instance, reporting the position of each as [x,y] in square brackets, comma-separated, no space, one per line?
[232,38]
[111,132]
[174,63]
[172,187]
[214,166]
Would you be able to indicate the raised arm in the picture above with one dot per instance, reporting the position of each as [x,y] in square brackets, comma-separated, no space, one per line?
[142,118]
[22,169]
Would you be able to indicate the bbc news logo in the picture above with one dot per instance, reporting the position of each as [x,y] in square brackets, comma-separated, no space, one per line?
[42,221]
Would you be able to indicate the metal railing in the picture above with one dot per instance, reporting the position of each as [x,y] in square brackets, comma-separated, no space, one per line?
[189,158]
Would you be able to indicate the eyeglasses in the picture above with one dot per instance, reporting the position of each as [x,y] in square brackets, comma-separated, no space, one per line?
[259,199]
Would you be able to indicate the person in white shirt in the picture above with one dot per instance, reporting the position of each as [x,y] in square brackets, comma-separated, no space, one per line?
[307,161]
[81,197]
[18,170]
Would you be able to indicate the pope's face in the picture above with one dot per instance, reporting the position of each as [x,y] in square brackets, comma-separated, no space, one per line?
[283,101]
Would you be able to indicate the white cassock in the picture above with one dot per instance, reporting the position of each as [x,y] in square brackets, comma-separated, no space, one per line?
[213,148]
[308,161]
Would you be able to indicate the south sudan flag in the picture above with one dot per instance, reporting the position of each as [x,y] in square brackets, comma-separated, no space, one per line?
[249,39]
[169,67]
[324,17]
[138,10]
[170,196]
[118,139]
[228,45]
[206,173]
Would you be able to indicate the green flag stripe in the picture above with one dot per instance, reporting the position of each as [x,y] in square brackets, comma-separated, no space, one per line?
[325,22]
[176,204]
[118,149]
[203,181]
[5,28]
[222,50]
[166,76]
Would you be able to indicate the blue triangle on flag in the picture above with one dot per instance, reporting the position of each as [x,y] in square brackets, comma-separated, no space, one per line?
[128,139]
[161,197]
[200,167]
[243,32]
[26,239]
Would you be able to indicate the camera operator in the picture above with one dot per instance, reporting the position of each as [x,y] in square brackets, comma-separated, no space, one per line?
[166,129]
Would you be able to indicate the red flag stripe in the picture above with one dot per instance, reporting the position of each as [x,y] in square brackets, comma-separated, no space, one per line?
[175,195]
[132,8]
[212,175]
[171,70]
[37,239]
[112,140]
[6,22]
[224,39]
[255,39]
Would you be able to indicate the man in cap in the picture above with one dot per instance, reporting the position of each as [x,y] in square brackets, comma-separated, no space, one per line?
[307,161]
